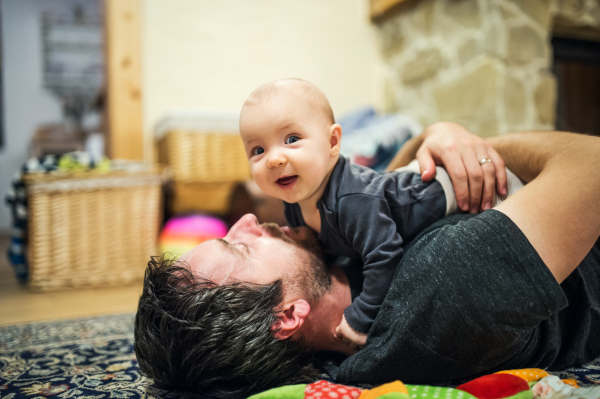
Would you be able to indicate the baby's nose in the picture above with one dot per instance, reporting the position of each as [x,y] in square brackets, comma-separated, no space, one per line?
[275,160]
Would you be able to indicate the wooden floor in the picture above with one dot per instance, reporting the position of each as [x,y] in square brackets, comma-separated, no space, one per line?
[18,304]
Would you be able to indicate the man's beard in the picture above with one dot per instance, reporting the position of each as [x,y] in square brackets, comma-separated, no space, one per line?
[313,276]
[275,231]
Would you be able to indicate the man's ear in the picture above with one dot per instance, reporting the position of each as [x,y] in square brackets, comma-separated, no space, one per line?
[335,139]
[290,319]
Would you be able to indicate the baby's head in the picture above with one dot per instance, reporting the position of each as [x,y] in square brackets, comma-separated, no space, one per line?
[291,139]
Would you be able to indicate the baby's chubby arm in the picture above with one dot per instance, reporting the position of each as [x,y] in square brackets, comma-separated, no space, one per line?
[366,224]
[347,334]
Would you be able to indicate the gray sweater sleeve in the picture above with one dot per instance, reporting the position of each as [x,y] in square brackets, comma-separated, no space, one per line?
[366,223]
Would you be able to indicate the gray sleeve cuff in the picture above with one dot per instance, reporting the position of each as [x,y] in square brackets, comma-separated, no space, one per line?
[513,184]
[443,178]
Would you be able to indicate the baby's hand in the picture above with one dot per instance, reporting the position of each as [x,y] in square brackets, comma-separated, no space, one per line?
[347,334]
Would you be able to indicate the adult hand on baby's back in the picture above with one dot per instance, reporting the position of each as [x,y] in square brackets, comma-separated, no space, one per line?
[460,151]
[347,334]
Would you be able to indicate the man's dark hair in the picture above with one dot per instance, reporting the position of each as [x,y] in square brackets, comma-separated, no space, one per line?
[193,335]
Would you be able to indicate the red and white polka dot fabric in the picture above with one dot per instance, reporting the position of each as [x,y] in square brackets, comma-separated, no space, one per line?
[327,390]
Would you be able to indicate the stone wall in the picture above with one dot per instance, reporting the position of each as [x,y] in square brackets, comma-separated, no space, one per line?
[580,18]
[483,63]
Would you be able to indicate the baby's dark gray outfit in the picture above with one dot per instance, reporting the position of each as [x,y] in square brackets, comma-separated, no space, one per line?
[369,216]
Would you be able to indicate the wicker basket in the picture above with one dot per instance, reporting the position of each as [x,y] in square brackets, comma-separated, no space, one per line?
[91,229]
[195,156]
[208,197]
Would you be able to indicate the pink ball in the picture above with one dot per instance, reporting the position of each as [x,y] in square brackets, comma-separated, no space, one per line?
[182,233]
[196,225]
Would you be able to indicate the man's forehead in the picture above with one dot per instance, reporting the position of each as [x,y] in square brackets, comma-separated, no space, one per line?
[213,259]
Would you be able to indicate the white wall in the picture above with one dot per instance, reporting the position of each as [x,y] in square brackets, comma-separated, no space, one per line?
[212,54]
[201,54]
[26,103]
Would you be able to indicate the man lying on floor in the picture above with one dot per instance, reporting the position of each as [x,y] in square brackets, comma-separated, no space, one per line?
[513,287]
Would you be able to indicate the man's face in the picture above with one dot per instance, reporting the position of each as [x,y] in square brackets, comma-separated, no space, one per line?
[259,254]
[287,144]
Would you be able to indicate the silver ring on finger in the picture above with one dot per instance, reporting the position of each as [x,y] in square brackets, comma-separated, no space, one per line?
[484,160]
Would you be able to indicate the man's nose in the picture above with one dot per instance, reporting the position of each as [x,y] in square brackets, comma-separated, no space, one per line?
[247,224]
[276,159]
[248,219]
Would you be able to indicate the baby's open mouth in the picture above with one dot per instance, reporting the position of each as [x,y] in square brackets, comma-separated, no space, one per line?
[286,181]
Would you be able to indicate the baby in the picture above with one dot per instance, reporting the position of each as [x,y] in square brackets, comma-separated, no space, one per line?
[293,148]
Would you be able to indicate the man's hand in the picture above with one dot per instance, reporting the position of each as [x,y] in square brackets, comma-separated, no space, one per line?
[459,151]
[347,334]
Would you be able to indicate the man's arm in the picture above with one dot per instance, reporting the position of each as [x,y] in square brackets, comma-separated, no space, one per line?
[559,210]
[459,151]
[407,153]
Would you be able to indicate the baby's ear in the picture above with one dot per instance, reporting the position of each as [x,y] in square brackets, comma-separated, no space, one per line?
[290,319]
[335,139]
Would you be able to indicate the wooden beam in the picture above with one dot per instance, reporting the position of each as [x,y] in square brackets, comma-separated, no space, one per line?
[124,79]
[381,9]
[565,28]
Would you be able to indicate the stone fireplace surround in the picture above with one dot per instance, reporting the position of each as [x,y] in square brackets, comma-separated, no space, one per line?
[484,63]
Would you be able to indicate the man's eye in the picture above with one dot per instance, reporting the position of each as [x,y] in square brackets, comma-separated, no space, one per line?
[292,139]
[258,151]
[243,244]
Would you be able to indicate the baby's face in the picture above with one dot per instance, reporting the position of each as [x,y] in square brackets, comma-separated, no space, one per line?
[288,145]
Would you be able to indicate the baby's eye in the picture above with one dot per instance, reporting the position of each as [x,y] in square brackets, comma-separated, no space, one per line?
[257,151]
[292,139]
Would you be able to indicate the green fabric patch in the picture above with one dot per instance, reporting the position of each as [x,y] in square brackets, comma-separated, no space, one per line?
[429,392]
[284,392]
[393,395]
[522,395]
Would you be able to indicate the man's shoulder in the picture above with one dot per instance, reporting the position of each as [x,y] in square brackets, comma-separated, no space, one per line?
[436,227]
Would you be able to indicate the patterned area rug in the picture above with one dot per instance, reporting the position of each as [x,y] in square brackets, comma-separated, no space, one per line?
[94,358]
[91,358]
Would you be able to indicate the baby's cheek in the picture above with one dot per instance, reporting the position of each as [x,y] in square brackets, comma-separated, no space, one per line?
[261,180]
[316,170]
[256,174]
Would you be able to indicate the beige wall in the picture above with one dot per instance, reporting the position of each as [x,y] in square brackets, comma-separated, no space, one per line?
[212,54]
